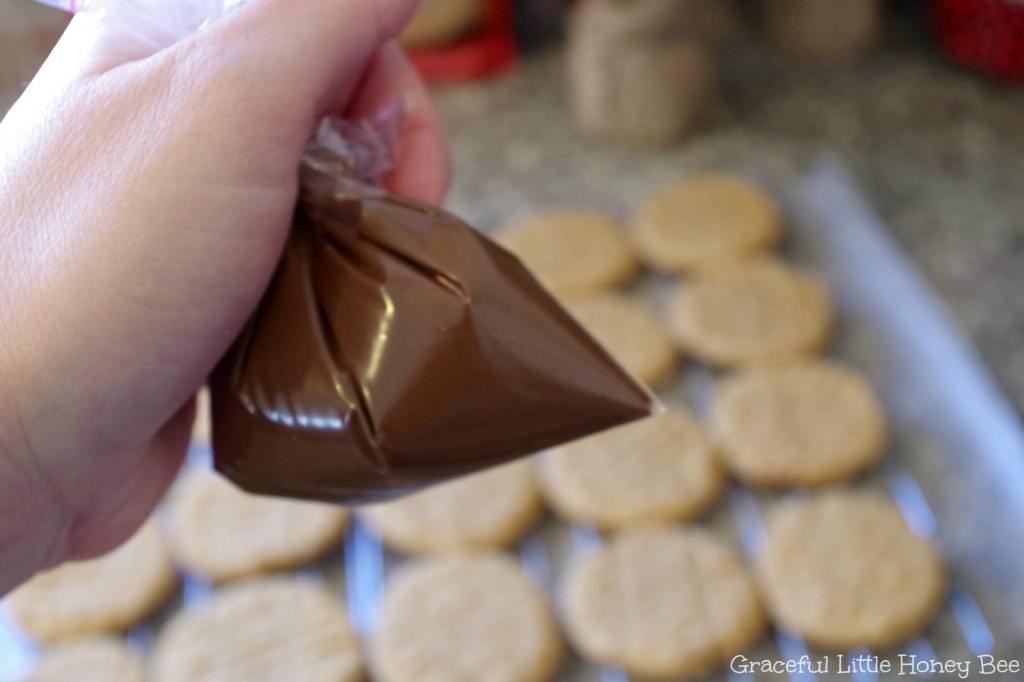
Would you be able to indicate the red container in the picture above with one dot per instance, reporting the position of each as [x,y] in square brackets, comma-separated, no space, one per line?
[985,35]
[490,51]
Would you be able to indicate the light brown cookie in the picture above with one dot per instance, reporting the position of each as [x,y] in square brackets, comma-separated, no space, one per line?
[659,469]
[264,630]
[662,603]
[98,597]
[806,424]
[845,571]
[705,221]
[572,252]
[99,660]
[489,510]
[631,332]
[465,619]
[222,533]
[761,312]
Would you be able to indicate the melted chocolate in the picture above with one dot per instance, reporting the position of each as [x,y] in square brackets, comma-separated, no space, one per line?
[398,347]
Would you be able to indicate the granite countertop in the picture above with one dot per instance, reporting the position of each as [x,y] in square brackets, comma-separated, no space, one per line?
[939,152]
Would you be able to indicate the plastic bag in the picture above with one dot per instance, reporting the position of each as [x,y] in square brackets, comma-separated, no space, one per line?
[397,347]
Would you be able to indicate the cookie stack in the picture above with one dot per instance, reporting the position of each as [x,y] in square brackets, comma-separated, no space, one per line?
[663,597]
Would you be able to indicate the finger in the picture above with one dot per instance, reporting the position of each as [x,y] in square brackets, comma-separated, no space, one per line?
[424,167]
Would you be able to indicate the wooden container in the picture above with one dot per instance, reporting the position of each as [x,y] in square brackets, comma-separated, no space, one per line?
[642,71]
[822,30]
[442,22]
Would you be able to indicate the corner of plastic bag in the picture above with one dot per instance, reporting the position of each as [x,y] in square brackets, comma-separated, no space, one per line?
[358,153]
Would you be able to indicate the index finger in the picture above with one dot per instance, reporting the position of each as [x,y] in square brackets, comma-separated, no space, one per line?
[424,167]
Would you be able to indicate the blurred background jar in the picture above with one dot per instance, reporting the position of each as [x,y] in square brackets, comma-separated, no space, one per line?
[442,22]
[642,71]
[822,30]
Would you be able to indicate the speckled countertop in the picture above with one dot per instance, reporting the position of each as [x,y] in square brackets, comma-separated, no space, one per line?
[939,152]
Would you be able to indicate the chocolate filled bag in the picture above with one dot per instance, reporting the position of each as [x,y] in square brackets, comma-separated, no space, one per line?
[397,347]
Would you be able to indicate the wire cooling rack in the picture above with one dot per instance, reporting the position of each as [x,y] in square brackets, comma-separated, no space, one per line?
[955,468]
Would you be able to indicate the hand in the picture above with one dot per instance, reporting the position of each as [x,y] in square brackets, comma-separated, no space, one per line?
[146,201]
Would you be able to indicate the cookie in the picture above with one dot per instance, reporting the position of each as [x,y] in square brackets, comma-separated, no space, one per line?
[807,424]
[98,597]
[489,510]
[222,533]
[631,332]
[265,630]
[705,221]
[571,252]
[100,660]
[761,312]
[659,469]
[662,603]
[845,571]
[465,619]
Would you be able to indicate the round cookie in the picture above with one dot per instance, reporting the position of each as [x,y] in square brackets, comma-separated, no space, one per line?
[101,660]
[761,312]
[659,469]
[98,597]
[628,329]
[807,424]
[221,533]
[705,221]
[261,631]
[489,510]
[571,252]
[662,603]
[845,571]
[465,619]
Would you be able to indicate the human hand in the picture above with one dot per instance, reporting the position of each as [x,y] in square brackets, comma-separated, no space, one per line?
[147,200]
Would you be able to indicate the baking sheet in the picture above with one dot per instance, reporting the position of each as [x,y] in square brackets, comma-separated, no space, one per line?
[956,466]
